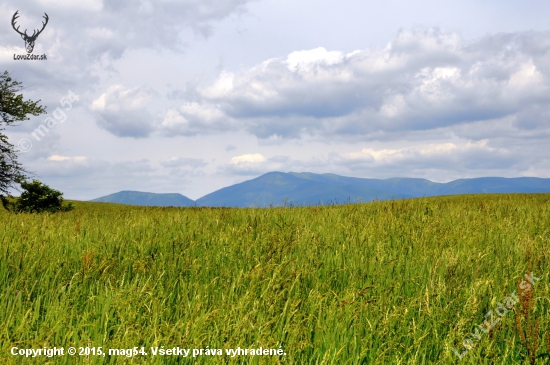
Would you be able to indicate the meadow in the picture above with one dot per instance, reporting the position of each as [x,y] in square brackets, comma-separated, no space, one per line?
[393,282]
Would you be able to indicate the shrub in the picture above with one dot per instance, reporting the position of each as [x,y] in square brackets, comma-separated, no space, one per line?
[38,197]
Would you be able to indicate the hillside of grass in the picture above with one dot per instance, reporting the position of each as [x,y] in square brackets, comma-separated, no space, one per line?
[393,282]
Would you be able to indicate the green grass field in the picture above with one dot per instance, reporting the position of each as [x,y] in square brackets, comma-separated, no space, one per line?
[397,282]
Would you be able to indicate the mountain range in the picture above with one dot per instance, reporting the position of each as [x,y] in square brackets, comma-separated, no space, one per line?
[304,188]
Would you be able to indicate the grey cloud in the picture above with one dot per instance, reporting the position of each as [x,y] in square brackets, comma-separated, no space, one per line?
[78,176]
[182,162]
[176,95]
[110,27]
[84,38]
[129,123]
[232,170]
[535,118]
[286,128]
[194,118]
[62,166]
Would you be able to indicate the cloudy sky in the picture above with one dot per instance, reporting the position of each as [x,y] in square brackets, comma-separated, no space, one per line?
[190,96]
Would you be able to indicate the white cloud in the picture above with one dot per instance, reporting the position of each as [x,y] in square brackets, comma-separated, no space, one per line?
[444,157]
[221,87]
[314,57]
[205,113]
[122,111]
[117,98]
[253,165]
[192,118]
[421,152]
[173,120]
[250,158]
[423,80]
[66,158]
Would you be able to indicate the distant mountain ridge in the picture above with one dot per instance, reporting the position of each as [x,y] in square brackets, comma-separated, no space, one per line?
[305,188]
[147,199]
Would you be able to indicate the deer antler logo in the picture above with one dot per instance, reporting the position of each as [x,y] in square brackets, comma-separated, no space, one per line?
[29,40]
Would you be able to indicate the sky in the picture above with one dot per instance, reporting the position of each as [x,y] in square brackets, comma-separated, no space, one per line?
[191,96]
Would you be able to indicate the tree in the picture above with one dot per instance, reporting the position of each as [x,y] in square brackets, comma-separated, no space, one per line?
[37,198]
[13,109]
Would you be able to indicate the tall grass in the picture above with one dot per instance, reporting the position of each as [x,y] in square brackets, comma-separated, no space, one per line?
[396,282]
